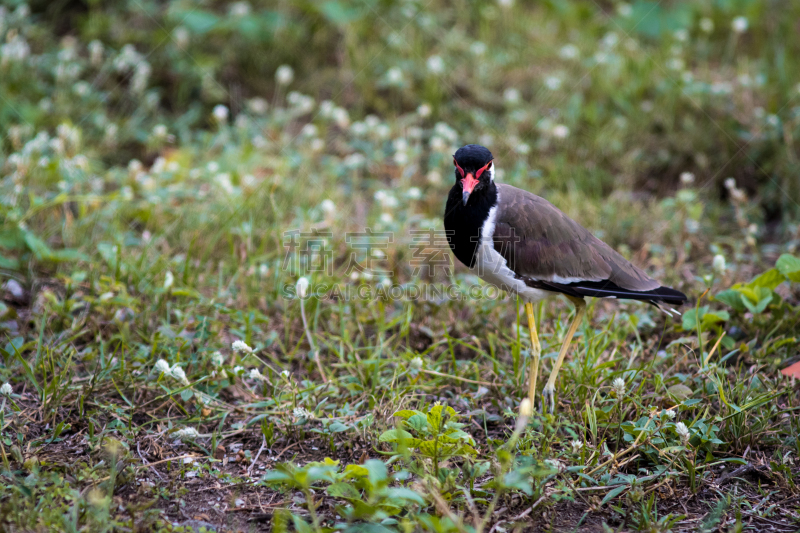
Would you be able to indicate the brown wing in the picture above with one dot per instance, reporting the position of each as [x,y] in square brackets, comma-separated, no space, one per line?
[542,244]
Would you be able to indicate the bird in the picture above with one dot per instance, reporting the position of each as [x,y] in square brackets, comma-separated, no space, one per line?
[526,246]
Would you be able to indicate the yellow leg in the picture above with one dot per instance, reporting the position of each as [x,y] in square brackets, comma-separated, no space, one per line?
[549,389]
[536,350]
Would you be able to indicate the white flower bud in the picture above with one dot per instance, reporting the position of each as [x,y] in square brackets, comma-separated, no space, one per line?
[302,287]
[241,346]
[619,387]
[682,431]
[719,264]
[162,367]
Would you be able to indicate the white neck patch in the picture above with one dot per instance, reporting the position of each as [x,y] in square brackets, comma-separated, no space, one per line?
[490,170]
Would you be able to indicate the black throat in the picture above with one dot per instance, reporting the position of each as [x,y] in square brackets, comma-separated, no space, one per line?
[463,222]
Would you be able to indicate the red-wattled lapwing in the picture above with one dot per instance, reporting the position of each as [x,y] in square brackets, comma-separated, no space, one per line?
[525,245]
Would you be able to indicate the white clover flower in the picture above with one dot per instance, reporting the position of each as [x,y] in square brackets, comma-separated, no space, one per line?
[217,359]
[386,218]
[434,177]
[522,148]
[317,145]
[258,105]
[285,374]
[160,131]
[178,373]
[309,130]
[394,76]
[706,24]
[576,445]
[619,387]
[625,10]
[284,75]
[414,193]
[556,464]
[239,9]
[477,48]
[569,51]
[6,389]
[302,287]
[719,264]
[424,110]
[560,131]
[552,82]
[95,52]
[328,207]
[682,431]
[669,413]
[162,367]
[220,113]
[730,183]
[681,35]
[435,64]
[505,3]
[401,158]
[511,96]
[416,364]
[169,279]
[187,433]
[525,408]
[181,36]
[241,347]
[255,374]
[740,24]
[237,370]
[341,117]
[687,178]
[302,412]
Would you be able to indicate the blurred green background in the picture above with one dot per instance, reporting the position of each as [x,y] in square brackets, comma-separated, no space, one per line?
[154,155]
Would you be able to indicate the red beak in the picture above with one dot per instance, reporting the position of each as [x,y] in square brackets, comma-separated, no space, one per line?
[468,184]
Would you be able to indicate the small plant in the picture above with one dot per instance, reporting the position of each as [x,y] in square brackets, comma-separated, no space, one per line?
[435,435]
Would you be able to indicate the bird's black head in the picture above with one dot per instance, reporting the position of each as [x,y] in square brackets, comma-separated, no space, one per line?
[474,169]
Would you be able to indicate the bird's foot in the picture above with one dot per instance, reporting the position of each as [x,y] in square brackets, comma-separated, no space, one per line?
[548,398]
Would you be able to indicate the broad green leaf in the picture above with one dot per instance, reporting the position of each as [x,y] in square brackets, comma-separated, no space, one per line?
[402,493]
[768,280]
[789,266]
[343,490]
[418,423]
[517,480]
[407,413]
[395,435]
[732,298]
[762,296]
[680,391]
[377,472]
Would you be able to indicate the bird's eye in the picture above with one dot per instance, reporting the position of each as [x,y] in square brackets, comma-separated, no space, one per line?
[460,170]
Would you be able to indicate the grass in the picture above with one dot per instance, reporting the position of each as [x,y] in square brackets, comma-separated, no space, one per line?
[162,202]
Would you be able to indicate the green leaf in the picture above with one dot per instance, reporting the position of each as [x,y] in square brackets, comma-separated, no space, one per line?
[731,298]
[395,435]
[418,423]
[402,493]
[405,414]
[613,494]
[517,480]
[343,490]
[377,472]
[680,391]
[761,297]
[768,280]
[789,266]
[199,21]
[339,13]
